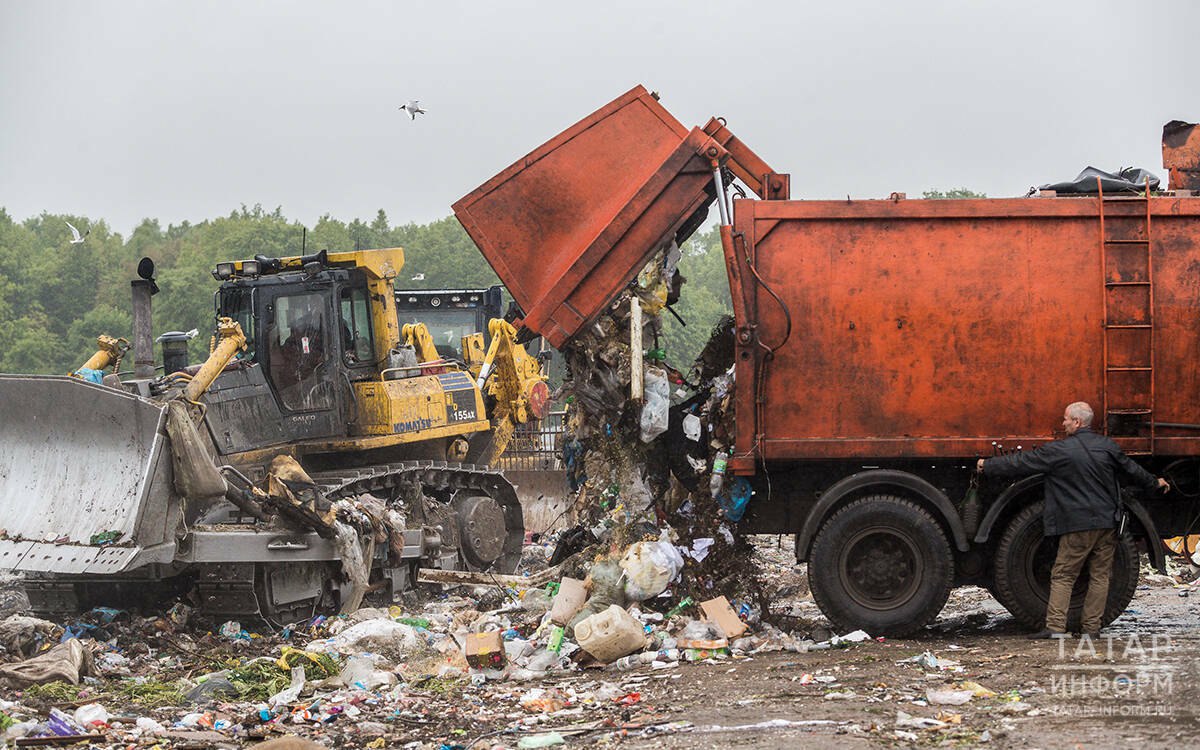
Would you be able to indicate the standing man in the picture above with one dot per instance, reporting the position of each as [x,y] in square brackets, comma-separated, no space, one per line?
[1082,508]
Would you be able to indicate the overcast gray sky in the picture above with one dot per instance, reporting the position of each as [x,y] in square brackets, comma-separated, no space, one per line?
[186,110]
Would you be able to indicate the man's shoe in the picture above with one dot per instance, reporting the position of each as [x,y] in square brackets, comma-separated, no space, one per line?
[1044,634]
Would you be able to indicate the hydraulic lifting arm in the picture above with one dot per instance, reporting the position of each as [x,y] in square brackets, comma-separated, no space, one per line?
[514,378]
[109,352]
[417,336]
[747,166]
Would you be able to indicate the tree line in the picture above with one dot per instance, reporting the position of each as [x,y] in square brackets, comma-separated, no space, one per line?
[57,297]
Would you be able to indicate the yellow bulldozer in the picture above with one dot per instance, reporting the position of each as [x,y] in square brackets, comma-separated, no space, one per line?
[322,450]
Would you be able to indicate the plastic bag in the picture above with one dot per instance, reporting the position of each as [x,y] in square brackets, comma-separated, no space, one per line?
[394,640]
[91,714]
[734,501]
[290,693]
[607,589]
[649,568]
[656,409]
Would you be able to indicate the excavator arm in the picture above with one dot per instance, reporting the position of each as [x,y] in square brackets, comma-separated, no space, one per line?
[417,336]
[514,379]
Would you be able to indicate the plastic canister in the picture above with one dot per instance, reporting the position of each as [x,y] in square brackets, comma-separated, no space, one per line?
[610,634]
[570,599]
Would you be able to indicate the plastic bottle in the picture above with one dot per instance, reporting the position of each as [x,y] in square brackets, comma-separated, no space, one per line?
[718,473]
[687,602]
[633,661]
[556,639]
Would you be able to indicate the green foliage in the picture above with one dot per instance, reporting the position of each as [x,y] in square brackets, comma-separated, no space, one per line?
[56,298]
[955,194]
[702,302]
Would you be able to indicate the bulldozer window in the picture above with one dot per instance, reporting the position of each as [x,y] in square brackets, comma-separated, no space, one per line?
[357,347]
[298,340]
[446,326]
[238,304]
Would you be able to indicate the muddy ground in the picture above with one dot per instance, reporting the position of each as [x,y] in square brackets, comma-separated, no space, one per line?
[1139,692]
[1139,686]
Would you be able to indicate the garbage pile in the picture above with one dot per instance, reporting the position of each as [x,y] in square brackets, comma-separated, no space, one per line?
[651,471]
[507,662]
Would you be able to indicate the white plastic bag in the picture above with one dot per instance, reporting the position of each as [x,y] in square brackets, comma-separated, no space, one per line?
[394,640]
[649,568]
[91,714]
[655,410]
[290,693]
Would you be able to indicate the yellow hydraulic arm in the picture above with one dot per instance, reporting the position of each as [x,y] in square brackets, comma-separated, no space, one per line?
[109,352]
[231,340]
[417,336]
[514,378]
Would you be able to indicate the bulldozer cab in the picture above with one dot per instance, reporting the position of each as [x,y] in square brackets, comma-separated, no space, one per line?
[310,337]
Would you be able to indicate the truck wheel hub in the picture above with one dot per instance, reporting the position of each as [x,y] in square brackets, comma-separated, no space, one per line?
[880,568]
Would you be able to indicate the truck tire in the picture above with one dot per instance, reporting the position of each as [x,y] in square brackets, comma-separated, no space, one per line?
[1022,566]
[882,564]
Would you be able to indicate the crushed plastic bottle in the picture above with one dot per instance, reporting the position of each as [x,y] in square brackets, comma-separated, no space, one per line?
[717,482]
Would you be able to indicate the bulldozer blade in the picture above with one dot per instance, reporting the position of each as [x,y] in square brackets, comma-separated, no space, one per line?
[84,477]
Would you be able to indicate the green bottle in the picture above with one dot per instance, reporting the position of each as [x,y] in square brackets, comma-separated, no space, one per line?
[687,602]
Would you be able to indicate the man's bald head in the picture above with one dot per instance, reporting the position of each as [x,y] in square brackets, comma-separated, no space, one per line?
[1077,415]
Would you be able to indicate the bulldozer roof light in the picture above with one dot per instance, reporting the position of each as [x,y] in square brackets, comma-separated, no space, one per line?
[223,271]
[250,268]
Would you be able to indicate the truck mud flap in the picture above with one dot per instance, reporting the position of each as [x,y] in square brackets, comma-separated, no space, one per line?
[80,467]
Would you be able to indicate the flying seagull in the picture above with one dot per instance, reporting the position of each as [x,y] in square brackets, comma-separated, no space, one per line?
[78,237]
[419,277]
[413,108]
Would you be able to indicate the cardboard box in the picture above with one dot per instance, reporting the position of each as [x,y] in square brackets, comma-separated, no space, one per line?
[485,650]
[718,612]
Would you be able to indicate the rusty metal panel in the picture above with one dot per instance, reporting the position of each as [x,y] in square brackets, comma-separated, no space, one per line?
[567,226]
[931,328]
[78,459]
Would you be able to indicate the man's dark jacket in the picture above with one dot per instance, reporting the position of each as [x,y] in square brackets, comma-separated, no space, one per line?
[1081,479]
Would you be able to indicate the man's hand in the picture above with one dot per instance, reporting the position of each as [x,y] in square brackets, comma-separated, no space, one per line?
[1164,485]
[979,466]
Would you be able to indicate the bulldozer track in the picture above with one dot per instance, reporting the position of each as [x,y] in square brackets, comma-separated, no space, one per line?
[438,476]
[235,584]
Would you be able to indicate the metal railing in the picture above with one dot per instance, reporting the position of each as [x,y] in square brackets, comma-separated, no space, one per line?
[536,446]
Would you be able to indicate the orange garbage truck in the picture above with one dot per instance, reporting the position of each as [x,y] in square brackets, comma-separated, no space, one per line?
[882,346]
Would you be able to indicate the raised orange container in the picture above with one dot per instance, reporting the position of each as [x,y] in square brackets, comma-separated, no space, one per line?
[573,221]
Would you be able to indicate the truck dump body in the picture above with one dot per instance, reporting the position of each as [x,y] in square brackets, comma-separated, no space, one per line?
[569,225]
[931,328]
[919,328]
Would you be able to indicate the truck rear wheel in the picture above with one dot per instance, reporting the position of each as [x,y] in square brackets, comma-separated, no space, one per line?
[1022,566]
[882,564]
